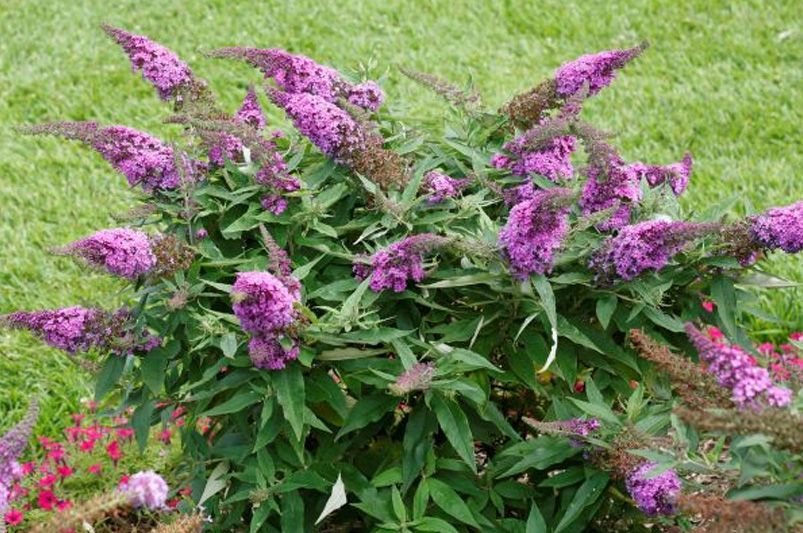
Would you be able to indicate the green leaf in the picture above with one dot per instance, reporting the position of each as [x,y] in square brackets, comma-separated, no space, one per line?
[535,522]
[406,355]
[303,271]
[216,481]
[235,404]
[420,500]
[141,422]
[289,385]
[454,424]
[228,344]
[547,297]
[109,375]
[600,411]
[436,525]
[417,442]
[368,409]
[450,502]
[606,306]
[586,495]
[152,368]
[778,491]
[398,504]
[292,512]
[344,354]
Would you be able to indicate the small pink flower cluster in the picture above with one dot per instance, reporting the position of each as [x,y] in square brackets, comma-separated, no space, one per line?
[95,446]
[440,186]
[392,267]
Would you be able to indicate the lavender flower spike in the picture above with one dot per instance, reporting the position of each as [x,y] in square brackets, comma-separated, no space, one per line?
[13,443]
[329,128]
[654,495]
[779,227]
[267,352]
[535,230]
[72,329]
[611,183]
[644,246]
[552,161]
[403,260]
[146,489]
[676,174]
[159,65]
[596,70]
[263,304]
[441,186]
[121,251]
[250,111]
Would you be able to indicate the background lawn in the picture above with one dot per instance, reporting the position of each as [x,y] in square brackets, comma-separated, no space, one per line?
[721,79]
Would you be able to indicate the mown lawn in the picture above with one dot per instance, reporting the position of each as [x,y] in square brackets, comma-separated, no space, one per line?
[721,79]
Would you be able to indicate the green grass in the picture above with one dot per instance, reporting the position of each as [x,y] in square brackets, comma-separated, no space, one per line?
[721,79]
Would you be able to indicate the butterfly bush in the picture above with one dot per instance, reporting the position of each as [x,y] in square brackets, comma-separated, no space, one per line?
[502,303]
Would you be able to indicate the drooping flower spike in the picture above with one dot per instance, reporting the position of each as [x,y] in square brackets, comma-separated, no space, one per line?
[123,252]
[675,174]
[611,184]
[654,495]
[440,186]
[552,161]
[298,74]
[394,266]
[779,228]
[644,246]
[143,159]
[13,443]
[595,71]
[158,65]
[535,230]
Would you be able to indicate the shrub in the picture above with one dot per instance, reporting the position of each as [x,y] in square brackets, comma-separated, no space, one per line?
[435,324]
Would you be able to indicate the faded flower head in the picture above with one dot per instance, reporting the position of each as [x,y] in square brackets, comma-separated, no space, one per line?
[644,246]
[779,228]
[736,370]
[596,70]
[440,186]
[263,304]
[158,65]
[417,377]
[535,230]
[267,352]
[403,260]
[654,495]
[121,251]
[329,128]
[146,489]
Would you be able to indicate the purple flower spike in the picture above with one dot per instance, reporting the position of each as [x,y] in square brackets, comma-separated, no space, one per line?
[121,251]
[159,65]
[12,444]
[263,303]
[367,95]
[392,267]
[146,489]
[596,70]
[654,495]
[441,186]
[609,185]
[266,352]
[72,329]
[250,111]
[779,227]
[738,371]
[534,231]
[644,246]
[329,128]
[553,161]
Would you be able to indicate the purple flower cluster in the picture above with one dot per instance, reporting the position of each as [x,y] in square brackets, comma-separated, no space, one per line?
[367,95]
[440,186]
[595,70]
[644,246]
[534,231]
[417,377]
[146,489]
[12,444]
[159,65]
[250,111]
[552,161]
[298,74]
[72,329]
[403,260]
[676,174]
[608,186]
[143,159]
[654,495]
[264,305]
[121,251]
[736,370]
[779,227]
[329,128]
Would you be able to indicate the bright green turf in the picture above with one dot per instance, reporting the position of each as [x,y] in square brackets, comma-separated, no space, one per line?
[721,80]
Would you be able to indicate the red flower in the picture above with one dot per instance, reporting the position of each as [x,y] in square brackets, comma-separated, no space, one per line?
[123,481]
[48,481]
[177,412]
[796,336]
[14,517]
[94,469]
[715,333]
[28,467]
[172,504]
[186,491]
[766,348]
[579,386]
[708,305]
[77,418]
[65,471]
[125,433]
[113,450]
[47,500]
[63,505]
[57,454]
[165,435]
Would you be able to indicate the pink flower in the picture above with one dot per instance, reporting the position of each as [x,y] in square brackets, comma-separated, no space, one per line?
[48,481]
[796,336]
[56,454]
[47,500]
[14,517]
[87,445]
[165,435]
[125,433]
[63,505]
[65,471]
[766,348]
[708,305]
[113,451]
[28,467]
[77,418]
[94,469]
[715,333]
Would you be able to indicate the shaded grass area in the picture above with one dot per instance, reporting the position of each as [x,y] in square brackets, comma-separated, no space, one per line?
[722,79]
